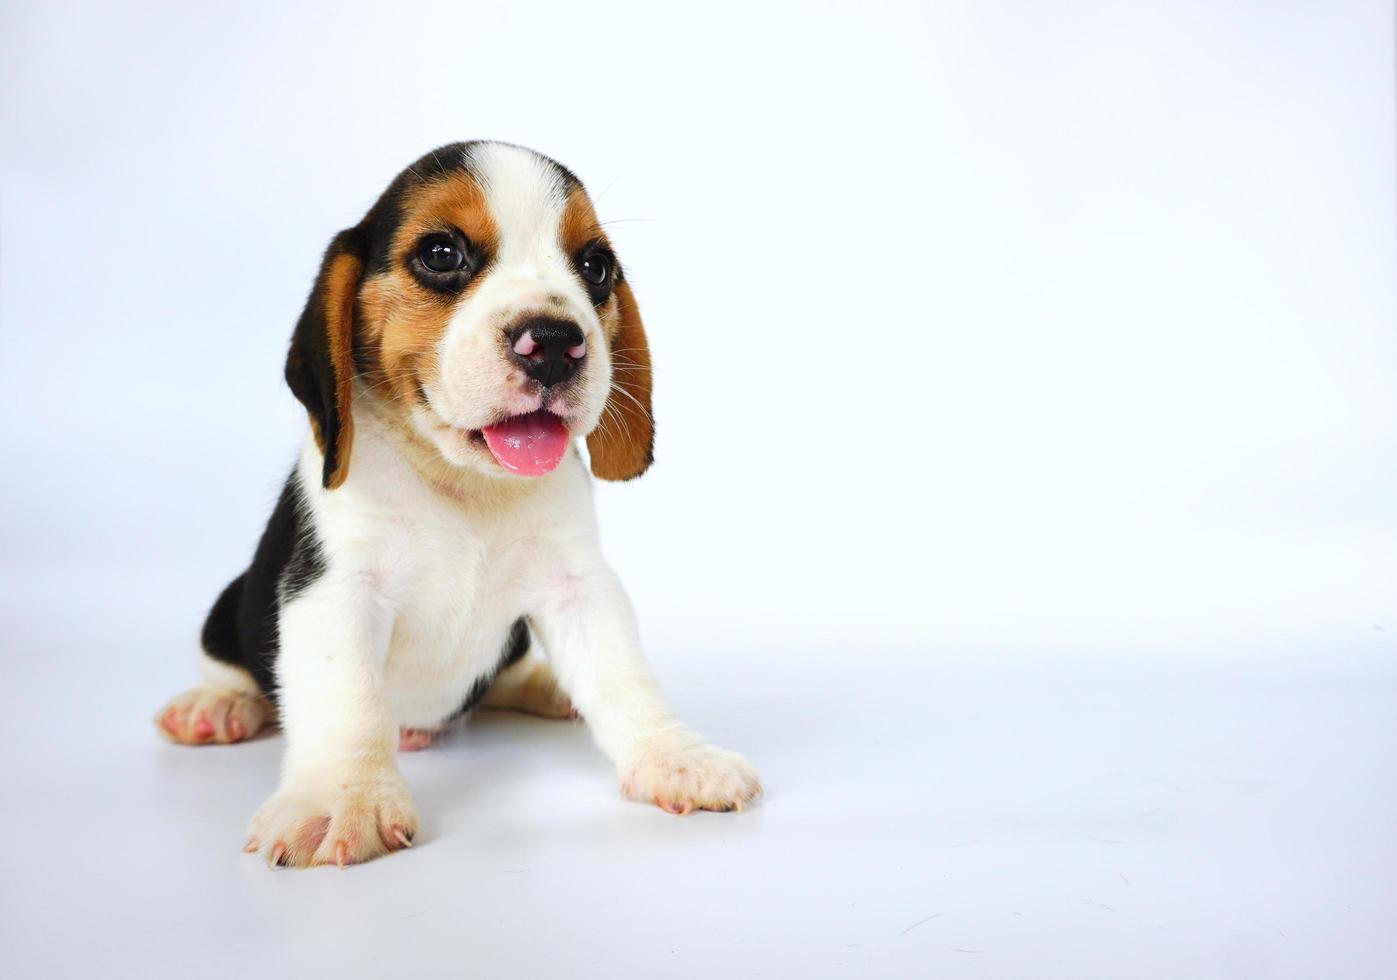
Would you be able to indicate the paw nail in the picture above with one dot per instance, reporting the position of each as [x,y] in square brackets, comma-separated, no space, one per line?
[236,730]
[403,838]
[341,854]
[279,855]
[251,846]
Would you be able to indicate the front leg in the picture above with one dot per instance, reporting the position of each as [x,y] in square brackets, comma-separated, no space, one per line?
[341,799]
[588,629]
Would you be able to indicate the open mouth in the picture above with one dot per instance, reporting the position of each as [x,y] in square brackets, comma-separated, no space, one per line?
[530,445]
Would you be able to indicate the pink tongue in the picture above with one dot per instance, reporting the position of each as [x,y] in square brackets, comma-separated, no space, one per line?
[530,445]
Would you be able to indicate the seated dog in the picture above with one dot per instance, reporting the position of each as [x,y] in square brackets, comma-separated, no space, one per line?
[457,340]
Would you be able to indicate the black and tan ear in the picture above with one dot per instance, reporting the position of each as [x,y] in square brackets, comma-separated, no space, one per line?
[623,446]
[320,364]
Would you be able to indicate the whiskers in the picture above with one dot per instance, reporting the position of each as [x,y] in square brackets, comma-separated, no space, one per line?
[644,412]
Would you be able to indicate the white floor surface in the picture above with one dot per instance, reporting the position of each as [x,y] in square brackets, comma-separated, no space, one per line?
[942,812]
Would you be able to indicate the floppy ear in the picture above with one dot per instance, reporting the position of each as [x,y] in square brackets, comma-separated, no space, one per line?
[622,446]
[320,364]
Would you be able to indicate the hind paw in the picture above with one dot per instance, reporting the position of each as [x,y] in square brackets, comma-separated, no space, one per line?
[212,716]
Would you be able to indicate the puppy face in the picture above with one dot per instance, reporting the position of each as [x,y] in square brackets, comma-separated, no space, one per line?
[482,303]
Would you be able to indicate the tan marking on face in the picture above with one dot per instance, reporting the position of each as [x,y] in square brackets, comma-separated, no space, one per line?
[622,444]
[403,321]
[578,227]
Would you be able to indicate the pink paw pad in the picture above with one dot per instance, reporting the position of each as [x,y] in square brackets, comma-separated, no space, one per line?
[210,716]
[203,728]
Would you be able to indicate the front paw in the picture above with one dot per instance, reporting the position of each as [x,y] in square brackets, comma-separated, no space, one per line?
[331,820]
[686,774]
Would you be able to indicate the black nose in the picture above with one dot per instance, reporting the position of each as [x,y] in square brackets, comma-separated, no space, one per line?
[547,349]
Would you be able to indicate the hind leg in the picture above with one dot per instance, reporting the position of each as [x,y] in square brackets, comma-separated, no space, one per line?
[528,685]
[226,707]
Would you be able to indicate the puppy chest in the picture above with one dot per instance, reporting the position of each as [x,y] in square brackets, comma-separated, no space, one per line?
[452,621]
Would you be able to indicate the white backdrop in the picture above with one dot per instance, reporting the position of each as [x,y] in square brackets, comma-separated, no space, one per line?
[985,321]
[980,329]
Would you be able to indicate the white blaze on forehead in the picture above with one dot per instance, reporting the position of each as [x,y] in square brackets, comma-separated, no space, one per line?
[529,274]
[526,196]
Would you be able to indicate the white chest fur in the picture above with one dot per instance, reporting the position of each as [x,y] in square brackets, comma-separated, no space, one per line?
[445,575]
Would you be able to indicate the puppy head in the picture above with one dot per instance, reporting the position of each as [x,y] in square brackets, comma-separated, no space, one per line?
[479,301]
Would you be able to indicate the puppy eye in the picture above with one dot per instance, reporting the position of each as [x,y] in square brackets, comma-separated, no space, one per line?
[440,254]
[596,268]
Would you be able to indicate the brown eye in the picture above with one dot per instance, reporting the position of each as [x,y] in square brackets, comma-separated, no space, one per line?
[596,268]
[440,254]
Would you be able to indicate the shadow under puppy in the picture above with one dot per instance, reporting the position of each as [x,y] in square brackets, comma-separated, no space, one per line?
[456,341]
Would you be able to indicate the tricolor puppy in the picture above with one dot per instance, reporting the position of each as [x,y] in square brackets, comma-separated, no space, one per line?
[456,342]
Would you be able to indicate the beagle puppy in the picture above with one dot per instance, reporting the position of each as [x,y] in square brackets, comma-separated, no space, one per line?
[457,341]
